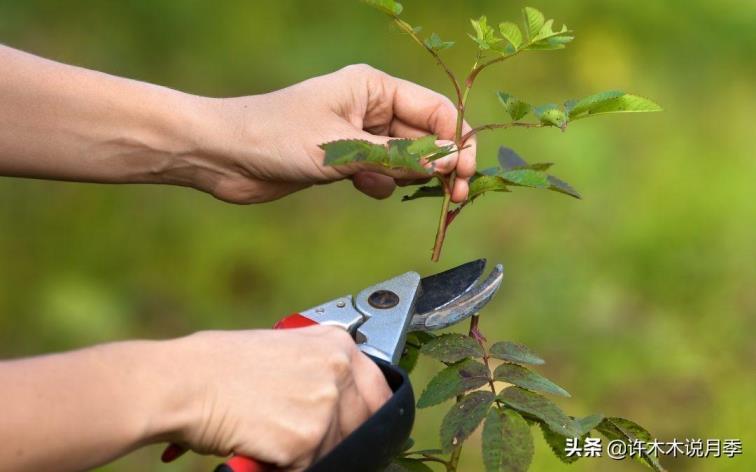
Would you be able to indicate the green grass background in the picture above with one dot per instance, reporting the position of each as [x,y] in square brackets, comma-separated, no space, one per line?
[641,297]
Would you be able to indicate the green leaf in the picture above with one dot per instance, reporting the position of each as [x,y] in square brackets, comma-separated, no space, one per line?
[522,377]
[408,444]
[346,151]
[588,423]
[412,345]
[389,7]
[535,405]
[492,440]
[534,21]
[480,184]
[409,358]
[398,153]
[485,35]
[404,464]
[561,186]
[513,352]
[437,44]
[621,428]
[454,380]
[551,114]
[511,32]
[506,441]
[624,429]
[515,107]
[464,417]
[401,156]
[427,147]
[425,191]
[557,443]
[509,159]
[612,101]
[548,39]
[526,178]
[518,442]
[452,347]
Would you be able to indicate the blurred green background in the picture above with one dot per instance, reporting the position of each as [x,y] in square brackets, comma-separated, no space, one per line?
[641,297]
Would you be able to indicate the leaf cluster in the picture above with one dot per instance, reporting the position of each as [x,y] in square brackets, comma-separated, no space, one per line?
[507,414]
[537,33]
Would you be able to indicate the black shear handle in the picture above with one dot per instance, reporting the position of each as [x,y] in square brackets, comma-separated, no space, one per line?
[372,446]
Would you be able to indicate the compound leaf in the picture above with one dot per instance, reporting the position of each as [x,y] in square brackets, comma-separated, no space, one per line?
[452,347]
[464,417]
[515,107]
[545,410]
[437,44]
[522,377]
[511,32]
[454,380]
[513,352]
[389,7]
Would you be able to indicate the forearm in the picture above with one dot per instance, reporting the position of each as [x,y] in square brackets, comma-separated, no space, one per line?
[68,123]
[76,410]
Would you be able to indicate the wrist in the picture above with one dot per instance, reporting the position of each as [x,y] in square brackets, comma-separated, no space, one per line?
[170,374]
[215,143]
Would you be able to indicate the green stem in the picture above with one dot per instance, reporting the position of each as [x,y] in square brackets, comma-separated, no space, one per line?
[448,182]
[489,126]
[451,466]
[441,231]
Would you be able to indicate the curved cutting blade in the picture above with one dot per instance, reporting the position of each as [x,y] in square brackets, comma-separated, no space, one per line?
[443,288]
[464,306]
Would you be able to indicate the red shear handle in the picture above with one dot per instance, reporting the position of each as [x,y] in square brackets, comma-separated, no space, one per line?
[241,463]
[244,464]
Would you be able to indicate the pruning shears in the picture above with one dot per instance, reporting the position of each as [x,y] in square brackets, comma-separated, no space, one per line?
[379,318]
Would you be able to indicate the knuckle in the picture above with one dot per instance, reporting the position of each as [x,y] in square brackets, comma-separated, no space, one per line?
[309,436]
[360,68]
[339,363]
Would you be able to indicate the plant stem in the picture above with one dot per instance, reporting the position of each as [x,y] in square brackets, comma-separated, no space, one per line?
[441,231]
[451,466]
[490,126]
[448,182]
[407,28]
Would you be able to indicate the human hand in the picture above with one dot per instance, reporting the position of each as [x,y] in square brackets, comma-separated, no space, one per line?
[273,149]
[282,397]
